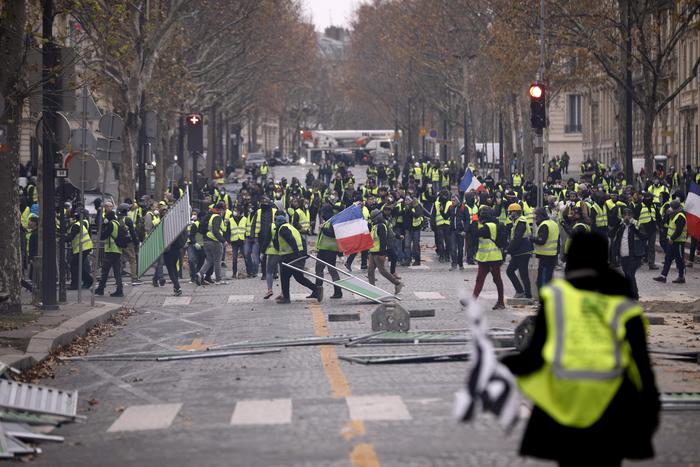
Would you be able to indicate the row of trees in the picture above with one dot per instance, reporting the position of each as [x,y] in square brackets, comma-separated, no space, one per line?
[229,58]
[467,63]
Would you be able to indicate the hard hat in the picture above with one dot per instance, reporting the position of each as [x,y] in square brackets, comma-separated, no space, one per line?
[514,207]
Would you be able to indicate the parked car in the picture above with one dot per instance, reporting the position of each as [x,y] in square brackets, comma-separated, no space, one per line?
[254,159]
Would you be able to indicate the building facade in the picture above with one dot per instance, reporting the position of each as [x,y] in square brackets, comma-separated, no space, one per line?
[565,127]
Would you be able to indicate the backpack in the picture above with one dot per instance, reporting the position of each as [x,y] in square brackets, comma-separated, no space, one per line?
[123,238]
[502,239]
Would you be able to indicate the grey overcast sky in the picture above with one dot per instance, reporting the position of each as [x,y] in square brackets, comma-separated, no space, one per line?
[325,13]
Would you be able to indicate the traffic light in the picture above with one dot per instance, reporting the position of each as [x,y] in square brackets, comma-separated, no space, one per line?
[195,132]
[538,109]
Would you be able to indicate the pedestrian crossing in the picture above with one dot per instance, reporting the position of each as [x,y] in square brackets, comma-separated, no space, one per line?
[263,412]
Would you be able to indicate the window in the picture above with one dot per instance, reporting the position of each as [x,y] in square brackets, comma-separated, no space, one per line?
[573,114]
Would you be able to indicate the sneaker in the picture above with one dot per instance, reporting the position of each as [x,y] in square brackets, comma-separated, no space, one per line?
[221,282]
[319,293]
[337,295]
[519,295]
[99,291]
[155,282]
[653,267]
[398,287]
[283,300]
[135,283]
[177,292]
[416,263]
[198,279]
[499,306]
[117,293]
[162,282]
[313,294]
[680,280]
[268,294]
[461,268]
[453,267]
[208,280]
[660,279]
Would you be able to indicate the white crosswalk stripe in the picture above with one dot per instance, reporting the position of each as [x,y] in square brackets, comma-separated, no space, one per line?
[429,295]
[241,298]
[377,408]
[262,412]
[146,417]
[422,266]
[176,301]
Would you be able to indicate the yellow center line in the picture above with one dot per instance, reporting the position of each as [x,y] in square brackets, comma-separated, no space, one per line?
[362,454]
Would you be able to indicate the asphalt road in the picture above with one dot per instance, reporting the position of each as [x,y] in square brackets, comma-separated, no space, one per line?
[302,406]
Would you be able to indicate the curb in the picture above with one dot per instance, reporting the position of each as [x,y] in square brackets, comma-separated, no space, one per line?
[43,343]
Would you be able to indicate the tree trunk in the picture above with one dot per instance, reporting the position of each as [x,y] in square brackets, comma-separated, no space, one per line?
[12,24]
[648,135]
[621,123]
[517,129]
[507,141]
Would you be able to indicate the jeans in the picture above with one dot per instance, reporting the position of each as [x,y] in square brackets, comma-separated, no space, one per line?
[651,246]
[629,265]
[212,257]
[111,261]
[363,259]
[74,270]
[287,273]
[195,259]
[472,243]
[495,269]
[674,252]
[330,258]
[694,242]
[545,270]
[236,249]
[379,262]
[158,272]
[457,250]
[520,263]
[251,253]
[271,269]
[412,245]
[444,237]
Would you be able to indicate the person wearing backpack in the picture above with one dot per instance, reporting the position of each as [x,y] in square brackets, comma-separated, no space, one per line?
[488,255]
[129,251]
[113,255]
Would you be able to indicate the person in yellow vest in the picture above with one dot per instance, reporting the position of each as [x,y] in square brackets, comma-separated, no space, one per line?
[442,217]
[587,368]
[577,224]
[676,236]
[413,221]
[287,243]
[520,250]
[112,257]
[237,224]
[646,219]
[75,236]
[489,256]
[379,251]
[546,246]
[264,171]
[195,253]
[213,245]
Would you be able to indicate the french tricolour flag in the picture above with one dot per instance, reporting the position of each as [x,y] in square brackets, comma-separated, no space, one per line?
[351,232]
[692,210]
[470,182]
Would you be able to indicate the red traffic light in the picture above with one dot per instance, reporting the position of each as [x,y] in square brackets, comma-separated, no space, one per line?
[536,90]
[194,119]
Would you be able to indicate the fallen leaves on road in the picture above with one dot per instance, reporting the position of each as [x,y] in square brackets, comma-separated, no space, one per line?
[80,346]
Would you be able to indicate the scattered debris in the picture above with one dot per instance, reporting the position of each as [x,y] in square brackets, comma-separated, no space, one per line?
[523,333]
[208,354]
[501,337]
[390,317]
[689,355]
[422,313]
[680,401]
[412,358]
[654,320]
[336,317]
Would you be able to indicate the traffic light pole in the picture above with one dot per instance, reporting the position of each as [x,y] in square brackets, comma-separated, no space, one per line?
[538,152]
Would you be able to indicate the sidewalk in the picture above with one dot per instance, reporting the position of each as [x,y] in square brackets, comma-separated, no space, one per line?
[28,338]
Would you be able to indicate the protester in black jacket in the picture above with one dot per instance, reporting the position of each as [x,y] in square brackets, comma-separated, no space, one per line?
[629,242]
[520,250]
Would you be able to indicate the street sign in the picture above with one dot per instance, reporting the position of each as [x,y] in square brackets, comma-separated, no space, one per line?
[173,173]
[433,133]
[84,171]
[423,131]
[85,106]
[109,145]
[83,139]
[62,131]
[111,125]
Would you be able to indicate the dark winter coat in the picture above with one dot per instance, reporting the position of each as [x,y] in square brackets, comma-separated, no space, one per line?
[635,238]
[626,428]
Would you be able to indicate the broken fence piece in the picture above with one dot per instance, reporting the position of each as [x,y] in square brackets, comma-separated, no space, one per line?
[680,401]
[412,358]
[38,399]
[192,356]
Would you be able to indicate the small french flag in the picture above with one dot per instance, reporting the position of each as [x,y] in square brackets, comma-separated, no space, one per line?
[351,231]
[692,210]
[470,182]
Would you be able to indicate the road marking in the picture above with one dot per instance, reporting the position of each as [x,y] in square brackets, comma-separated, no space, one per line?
[196,344]
[298,296]
[262,412]
[422,266]
[176,301]
[376,408]
[146,417]
[240,298]
[428,295]
[363,454]
[121,384]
